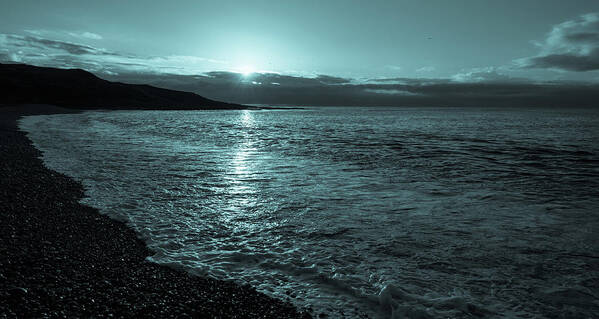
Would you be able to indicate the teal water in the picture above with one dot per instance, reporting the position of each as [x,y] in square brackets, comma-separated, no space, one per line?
[385,212]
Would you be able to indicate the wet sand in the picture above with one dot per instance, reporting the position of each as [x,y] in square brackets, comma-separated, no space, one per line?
[60,258]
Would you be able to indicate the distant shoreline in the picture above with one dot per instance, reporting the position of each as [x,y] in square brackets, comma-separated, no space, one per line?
[62,258]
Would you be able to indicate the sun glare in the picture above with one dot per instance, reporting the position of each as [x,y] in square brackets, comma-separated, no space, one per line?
[246,70]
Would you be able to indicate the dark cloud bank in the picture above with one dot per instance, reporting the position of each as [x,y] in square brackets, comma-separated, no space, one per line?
[278,89]
[572,46]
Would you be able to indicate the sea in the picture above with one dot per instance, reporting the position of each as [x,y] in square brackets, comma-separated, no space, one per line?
[353,211]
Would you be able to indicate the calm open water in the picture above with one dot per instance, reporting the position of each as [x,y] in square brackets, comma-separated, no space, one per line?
[386,212]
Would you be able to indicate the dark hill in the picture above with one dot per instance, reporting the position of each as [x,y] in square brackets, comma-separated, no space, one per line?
[80,89]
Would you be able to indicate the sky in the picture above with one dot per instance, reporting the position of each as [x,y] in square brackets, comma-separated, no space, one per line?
[257,47]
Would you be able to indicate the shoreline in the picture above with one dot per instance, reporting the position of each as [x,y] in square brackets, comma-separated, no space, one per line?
[64,259]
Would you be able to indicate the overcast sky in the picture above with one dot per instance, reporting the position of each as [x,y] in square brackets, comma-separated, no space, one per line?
[462,41]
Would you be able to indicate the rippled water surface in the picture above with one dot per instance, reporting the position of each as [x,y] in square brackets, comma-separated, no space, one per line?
[397,212]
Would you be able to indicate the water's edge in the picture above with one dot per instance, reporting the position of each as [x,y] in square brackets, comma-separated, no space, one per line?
[240,293]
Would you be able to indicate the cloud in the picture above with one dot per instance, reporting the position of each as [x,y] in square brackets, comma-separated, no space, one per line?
[426,69]
[278,89]
[86,35]
[409,81]
[38,50]
[571,46]
[391,91]
[486,74]
[58,34]
[233,78]
[34,43]
[327,79]
[567,61]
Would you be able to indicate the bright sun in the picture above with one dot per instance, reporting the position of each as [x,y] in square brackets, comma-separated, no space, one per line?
[246,70]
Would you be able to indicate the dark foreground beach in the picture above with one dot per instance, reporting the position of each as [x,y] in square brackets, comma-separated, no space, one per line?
[60,258]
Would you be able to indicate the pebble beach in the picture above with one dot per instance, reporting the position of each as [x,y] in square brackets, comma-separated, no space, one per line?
[64,259]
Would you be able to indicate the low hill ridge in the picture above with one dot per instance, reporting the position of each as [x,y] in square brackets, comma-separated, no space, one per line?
[76,88]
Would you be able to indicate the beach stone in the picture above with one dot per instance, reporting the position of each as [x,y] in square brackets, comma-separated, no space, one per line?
[18,291]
